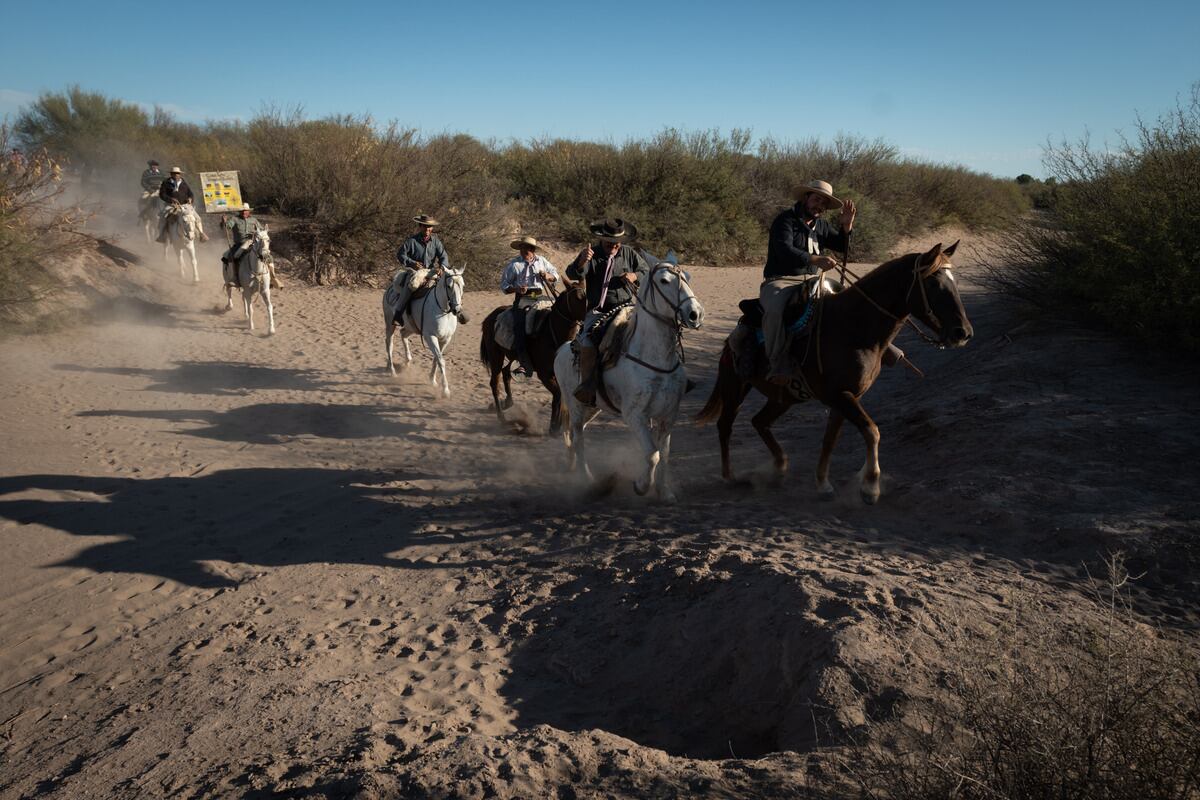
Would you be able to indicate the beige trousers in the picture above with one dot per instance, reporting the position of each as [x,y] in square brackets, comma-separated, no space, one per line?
[775,295]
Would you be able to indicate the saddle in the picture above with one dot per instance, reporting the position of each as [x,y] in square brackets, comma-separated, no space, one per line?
[747,342]
[535,320]
[612,331]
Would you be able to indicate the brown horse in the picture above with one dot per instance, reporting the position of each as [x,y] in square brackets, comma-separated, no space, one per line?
[840,357]
[562,324]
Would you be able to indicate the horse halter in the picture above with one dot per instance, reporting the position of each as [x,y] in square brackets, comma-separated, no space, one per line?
[676,308]
[450,308]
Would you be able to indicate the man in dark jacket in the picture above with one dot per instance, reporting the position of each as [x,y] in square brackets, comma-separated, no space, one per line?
[612,271]
[175,191]
[152,177]
[795,258]
[418,254]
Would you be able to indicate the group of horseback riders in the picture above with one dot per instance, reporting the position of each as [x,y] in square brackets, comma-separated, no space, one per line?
[174,192]
[797,262]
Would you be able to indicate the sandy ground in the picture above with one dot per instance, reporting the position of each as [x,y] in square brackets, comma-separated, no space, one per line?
[260,567]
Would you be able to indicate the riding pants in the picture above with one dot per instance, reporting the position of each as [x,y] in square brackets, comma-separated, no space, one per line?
[774,295]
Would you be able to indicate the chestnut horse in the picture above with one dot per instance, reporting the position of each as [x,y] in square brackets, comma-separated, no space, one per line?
[561,325]
[839,359]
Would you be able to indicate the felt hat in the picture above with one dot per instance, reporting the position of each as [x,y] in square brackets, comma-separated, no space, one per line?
[425,219]
[175,170]
[818,187]
[613,230]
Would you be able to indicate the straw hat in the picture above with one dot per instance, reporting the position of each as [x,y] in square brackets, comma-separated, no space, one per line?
[425,219]
[818,187]
[613,230]
[524,241]
[176,170]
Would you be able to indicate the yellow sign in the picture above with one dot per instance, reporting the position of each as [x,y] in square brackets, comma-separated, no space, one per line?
[221,191]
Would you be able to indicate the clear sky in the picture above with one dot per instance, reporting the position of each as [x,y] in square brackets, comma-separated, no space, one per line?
[980,84]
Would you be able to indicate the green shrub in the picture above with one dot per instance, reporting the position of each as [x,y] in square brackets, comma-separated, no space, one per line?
[1122,240]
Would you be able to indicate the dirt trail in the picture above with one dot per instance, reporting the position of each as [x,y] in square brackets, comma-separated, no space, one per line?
[248,566]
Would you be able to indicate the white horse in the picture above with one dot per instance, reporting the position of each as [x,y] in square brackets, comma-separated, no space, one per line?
[254,273]
[647,384]
[434,317]
[182,227]
[150,208]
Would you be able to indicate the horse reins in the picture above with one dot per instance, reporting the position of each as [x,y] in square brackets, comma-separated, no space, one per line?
[676,323]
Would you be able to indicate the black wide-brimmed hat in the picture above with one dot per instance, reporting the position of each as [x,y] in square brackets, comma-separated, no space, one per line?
[614,230]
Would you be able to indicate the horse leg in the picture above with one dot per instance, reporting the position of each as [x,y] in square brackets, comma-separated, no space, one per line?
[195,268]
[832,428]
[248,305]
[665,493]
[640,425]
[265,292]
[555,409]
[762,422]
[439,362]
[506,370]
[228,297]
[735,394]
[494,382]
[853,411]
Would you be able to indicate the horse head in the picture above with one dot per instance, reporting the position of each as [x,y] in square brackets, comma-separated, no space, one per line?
[262,243]
[668,294]
[934,297]
[452,280]
[184,217]
[572,301]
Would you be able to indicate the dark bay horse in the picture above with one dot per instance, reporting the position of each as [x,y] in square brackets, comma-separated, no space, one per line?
[562,324]
[840,357]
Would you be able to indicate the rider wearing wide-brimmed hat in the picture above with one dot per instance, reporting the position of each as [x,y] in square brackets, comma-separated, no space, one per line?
[795,256]
[174,191]
[417,255]
[612,270]
[528,277]
[243,229]
[152,177]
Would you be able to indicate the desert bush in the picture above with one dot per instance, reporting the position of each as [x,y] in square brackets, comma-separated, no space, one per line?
[352,190]
[1046,706]
[682,190]
[34,227]
[1122,240]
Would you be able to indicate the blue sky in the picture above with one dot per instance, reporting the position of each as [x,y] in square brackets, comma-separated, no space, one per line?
[983,85]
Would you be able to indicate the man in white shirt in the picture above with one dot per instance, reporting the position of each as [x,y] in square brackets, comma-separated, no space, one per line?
[528,276]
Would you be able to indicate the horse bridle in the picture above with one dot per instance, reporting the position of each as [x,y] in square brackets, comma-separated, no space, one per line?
[928,309]
[449,309]
[676,323]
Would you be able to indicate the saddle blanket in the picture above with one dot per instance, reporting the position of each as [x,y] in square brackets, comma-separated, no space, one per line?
[534,317]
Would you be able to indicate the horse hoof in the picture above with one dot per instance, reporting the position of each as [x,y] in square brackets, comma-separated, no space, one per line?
[870,497]
[825,491]
[508,403]
[669,498]
[639,489]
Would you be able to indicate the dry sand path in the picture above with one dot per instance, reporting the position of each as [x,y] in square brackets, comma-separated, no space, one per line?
[247,566]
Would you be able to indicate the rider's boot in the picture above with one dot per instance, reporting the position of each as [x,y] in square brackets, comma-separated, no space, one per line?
[463,319]
[526,364]
[586,391]
[892,355]
[275,284]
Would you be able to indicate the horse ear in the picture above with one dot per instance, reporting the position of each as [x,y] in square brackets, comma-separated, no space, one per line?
[266,228]
[949,251]
[928,263]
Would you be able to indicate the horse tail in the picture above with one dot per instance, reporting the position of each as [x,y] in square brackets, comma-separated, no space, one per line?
[726,375]
[488,325]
